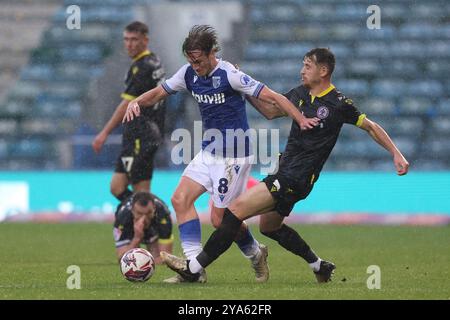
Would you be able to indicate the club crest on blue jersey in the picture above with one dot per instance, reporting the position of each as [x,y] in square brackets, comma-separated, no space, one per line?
[216,81]
[195,78]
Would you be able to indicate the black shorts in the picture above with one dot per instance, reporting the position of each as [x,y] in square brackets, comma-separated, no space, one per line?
[136,159]
[287,192]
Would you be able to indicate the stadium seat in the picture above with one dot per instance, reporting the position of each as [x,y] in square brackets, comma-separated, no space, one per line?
[438,68]
[438,48]
[347,164]
[3,149]
[417,31]
[412,126]
[30,148]
[402,67]
[378,106]
[383,165]
[388,122]
[363,67]
[38,72]
[423,11]
[25,90]
[444,31]
[407,144]
[437,147]
[426,88]
[8,126]
[14,109]
[416,105]
[387,32]
[408,48]
[373,49]
[307,32]
[82,53]
[395,11]
[440,126]
[350,11]
[390,88]
[443,107]
[353,87]
[40,127]
[429,164]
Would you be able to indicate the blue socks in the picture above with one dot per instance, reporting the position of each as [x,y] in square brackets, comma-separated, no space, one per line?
[191,236]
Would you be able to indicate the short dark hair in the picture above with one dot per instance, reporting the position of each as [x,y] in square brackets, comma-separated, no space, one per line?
[201,37]
[137,26]
[142,198]
[322,56]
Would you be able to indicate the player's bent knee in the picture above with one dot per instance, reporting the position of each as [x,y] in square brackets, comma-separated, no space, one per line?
[176,200]
[216,216]
[216,221]
[180,201]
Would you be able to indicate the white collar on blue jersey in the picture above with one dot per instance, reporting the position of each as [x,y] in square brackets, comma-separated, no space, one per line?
[219,62]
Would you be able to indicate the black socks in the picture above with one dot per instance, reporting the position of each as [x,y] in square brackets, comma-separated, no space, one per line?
[220,240]
[289,239]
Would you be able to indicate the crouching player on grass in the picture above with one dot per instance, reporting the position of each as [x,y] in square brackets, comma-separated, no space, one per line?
[145,219]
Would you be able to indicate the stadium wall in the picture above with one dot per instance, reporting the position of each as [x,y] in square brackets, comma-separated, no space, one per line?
[338,197]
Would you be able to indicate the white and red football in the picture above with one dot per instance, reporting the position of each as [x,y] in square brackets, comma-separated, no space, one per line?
[137,265]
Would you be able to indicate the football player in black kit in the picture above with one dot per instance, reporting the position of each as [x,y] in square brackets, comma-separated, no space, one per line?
[143,218]
[141,137]
[299,168]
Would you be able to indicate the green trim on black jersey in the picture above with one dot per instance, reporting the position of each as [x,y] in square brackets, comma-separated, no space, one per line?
[323,93]
[360,120]
[142,54]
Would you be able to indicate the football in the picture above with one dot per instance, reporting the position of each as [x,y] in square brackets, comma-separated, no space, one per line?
[137,265]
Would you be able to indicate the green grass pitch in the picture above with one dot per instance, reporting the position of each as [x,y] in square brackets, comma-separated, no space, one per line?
[414,264]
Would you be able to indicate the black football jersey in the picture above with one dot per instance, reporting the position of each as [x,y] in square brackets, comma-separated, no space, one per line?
[145,73]
[307,150]
[160,227]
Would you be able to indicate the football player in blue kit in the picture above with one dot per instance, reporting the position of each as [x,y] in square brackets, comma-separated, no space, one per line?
[223,165]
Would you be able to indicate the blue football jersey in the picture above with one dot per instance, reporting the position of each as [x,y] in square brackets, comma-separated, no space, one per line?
[221,99]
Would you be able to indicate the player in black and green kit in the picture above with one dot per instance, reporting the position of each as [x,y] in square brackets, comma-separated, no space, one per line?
[299,168]
[141,137]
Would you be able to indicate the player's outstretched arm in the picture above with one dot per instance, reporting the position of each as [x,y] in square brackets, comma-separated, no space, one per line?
[135,243]
[146,99]
[287,107]
[382,138]
[115,120]
[268,110]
